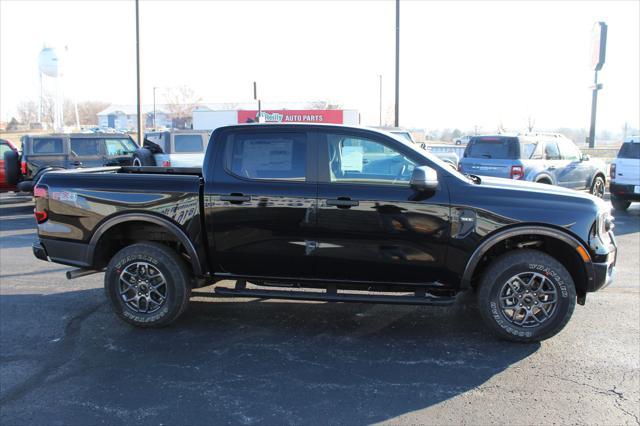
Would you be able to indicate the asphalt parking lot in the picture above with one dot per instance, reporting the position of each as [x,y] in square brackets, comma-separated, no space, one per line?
[66,359]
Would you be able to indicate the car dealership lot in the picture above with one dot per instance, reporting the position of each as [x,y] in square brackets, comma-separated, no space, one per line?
[65,358]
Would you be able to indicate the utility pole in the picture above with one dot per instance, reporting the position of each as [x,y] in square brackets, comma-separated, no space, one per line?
[154,107]
[598,54]
[380,109]
[139,106]
[255,98]
[397,108]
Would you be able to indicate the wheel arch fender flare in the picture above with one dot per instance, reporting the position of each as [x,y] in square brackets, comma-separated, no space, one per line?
[500,236]
[169,226]
[542,175]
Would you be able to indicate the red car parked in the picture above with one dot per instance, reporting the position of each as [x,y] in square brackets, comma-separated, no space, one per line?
[5,146]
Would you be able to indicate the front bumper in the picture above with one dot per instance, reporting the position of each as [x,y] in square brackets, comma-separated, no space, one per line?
[605,271]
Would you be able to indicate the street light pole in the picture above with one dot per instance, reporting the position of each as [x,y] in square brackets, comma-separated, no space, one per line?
[397,108]
[139,106]
[380,112]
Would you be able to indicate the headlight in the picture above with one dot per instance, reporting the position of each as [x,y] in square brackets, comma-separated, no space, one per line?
[605,224]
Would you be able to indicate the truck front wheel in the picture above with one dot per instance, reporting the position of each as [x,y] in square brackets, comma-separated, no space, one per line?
[148,284]
[526,296]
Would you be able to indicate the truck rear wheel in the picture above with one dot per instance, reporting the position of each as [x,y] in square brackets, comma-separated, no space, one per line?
[148,284]
[526,296]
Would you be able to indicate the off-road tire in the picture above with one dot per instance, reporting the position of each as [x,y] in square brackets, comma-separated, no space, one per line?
[174,271]
[143,157]
[11,167]
[598,187]
[620,205]
[525,261]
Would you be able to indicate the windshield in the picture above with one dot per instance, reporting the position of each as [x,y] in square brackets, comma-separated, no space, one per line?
[502,148]
[629,150]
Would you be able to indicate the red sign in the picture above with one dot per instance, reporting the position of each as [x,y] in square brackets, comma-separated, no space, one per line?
[333,116]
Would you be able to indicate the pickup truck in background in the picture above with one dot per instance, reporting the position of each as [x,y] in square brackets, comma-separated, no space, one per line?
[44,153]
[178,148]
[327,213]
[625,175]
[538,157]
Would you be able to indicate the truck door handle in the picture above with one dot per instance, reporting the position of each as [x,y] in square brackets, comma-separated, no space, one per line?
[342,202]
[235,198]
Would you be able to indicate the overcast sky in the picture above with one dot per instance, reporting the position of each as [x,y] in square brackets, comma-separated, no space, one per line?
[462,63]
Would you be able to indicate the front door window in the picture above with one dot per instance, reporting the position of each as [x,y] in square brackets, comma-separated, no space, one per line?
[359,160]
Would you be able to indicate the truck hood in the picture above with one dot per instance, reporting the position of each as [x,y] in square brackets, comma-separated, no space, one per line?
[541,189]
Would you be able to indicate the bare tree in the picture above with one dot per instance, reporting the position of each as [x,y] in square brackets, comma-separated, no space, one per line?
[181,101]
[27,112]
[531,122]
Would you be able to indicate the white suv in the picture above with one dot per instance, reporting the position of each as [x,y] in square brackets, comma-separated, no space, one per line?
[625,174]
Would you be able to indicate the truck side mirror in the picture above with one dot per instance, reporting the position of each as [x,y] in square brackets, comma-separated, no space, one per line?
[424,178]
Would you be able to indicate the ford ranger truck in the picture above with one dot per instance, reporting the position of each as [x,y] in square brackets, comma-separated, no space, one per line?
[327,213]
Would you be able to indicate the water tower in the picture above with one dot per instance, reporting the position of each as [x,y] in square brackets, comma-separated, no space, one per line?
[50,67]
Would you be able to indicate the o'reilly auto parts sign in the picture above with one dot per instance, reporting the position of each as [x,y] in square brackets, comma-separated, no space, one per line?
[292,116]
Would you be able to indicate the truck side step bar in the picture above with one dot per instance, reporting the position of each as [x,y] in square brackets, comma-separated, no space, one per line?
[333,296]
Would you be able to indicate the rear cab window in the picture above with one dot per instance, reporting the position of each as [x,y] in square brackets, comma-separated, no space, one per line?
[47,146]
[493,147]
[630,150]
[188,143]
[267,156]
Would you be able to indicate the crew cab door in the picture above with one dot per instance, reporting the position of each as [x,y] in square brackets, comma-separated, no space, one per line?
[372,226]
[259,199]
[85,152]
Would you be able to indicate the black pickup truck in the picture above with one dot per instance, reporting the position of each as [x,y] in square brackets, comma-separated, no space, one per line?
[327,213]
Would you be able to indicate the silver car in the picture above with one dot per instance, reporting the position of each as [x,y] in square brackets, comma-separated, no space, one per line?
[544,158]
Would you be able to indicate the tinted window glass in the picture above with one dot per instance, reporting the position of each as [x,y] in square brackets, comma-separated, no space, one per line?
[47,146]
[551,151]
[361,160]
[629,150]
[492,147]
[568,150]
[279,156]
[188,143]
[84,147]
[119,146]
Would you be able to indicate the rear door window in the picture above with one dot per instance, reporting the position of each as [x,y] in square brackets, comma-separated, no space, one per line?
[84,147]
[493,148]
[188,143]
[268,156]
[629,150]
[47,146]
